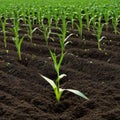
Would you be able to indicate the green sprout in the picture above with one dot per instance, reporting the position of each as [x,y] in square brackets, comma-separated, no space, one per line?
[115,22]
[57,65]
[99,28]
[18,41]
[80,25]
[3,23]
[46,30]
[30,24]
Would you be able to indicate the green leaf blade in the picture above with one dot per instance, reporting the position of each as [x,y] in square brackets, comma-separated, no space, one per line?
[49,81]
[77,93]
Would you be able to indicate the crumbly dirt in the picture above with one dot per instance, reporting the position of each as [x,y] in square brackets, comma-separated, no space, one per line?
[24,95]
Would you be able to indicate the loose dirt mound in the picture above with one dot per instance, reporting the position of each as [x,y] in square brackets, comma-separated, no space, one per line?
[24,95]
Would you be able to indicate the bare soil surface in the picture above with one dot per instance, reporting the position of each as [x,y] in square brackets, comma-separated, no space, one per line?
[24,95]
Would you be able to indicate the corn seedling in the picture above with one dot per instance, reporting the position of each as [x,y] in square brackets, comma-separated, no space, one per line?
[80,25]
[33,10]
[99,32]
[49,19]
[46,32]
[93,18]
[87,18]
[57,65]
[71,15]
[115,21]
[24,15]
[31,30]
[3,23]
[56,18]
[18,41]
[64,28]
[115,18]
[106,15]
[39,16]
[29,22]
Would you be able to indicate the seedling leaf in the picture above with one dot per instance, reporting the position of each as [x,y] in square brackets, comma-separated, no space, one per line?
[77,93]
[49,81]
[62,75]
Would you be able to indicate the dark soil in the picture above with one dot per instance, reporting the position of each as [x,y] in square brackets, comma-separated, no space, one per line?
[24,95]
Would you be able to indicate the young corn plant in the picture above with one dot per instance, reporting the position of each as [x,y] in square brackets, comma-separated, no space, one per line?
[18,41]
[47,30]
[56,17]
[49,18]
[80,25]
[24,15]
[31,30]
[33,10]
[3,23]
[93,17]
[99,32]
[115,21]
[71,15]
[64,27]
[57,65]
[106,15]
[39,16]
[87,17]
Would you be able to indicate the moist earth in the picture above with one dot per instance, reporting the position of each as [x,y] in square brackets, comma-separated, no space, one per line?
[24,95]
